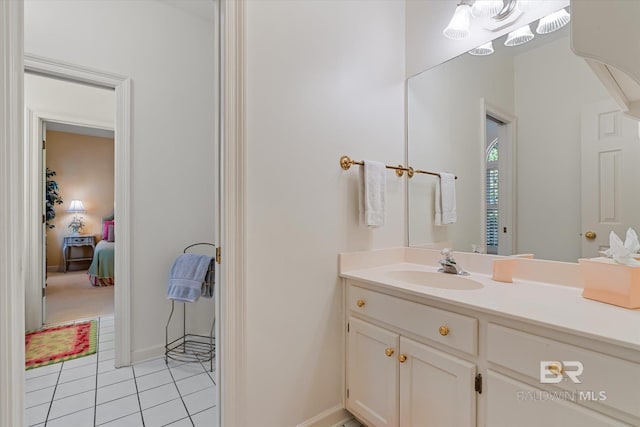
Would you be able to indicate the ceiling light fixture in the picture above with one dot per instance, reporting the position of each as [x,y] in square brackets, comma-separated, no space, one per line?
[495,11]
[460,24]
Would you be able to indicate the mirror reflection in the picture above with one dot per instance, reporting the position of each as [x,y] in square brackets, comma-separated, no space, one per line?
[542,153]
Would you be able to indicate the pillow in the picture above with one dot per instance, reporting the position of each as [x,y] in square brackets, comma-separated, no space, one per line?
[105,229]
[111,233]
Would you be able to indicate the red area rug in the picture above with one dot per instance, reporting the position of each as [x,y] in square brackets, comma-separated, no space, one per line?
[60,343]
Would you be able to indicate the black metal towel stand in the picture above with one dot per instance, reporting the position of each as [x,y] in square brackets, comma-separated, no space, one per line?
[193,347]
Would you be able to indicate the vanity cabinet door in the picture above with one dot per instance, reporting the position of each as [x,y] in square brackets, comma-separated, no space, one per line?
[436,389]
[372,374]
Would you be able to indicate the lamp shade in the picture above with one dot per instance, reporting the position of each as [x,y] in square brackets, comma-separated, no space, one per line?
[553,22]
[76,206]
[485,49]
[526,5]
[519,36]
[459,25]
[486,8]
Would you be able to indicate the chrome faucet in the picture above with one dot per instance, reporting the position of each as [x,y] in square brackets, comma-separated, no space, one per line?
[449,265]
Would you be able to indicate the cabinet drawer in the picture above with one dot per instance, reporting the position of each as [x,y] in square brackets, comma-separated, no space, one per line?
[86,240]
[532,356]
[451,329]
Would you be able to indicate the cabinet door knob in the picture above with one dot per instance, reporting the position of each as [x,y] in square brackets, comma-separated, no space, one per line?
[360,303]
[590,235]
[389,352]
[444,330]
[402,358]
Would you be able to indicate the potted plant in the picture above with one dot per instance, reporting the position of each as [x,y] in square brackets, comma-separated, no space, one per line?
[53,197]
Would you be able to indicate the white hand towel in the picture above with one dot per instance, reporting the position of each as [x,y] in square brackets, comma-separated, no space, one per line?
[445,202]
[372,194]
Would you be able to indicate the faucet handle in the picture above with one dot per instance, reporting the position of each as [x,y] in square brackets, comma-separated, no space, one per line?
[447,252]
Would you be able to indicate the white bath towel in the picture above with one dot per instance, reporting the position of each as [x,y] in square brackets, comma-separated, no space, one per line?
[446,199]
[373,188]
[186,276]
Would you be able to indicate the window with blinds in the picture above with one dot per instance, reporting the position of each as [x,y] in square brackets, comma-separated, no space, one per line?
[492,198]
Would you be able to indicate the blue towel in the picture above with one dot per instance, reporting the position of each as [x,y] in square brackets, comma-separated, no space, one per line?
[186,277]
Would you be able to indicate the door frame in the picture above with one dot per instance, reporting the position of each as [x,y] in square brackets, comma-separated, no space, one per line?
[122,187]
[507,180]
[233,319]
[12,224]
[34,205]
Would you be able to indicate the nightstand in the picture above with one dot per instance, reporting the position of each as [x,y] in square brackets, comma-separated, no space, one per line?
[76,240]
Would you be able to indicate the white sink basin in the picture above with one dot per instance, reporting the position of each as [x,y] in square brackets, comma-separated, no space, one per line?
[434,280]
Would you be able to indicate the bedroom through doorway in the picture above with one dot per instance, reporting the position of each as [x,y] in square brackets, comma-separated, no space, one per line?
[76,123]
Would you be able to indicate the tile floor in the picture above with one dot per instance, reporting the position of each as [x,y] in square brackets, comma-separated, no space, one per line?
[89,391]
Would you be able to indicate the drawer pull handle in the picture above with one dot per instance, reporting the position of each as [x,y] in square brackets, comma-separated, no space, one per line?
[555,368]
[389,352]
[360,303]
[444,330]
[402,358]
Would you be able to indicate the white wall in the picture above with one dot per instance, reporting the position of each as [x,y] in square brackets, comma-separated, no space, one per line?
[444,132]
[324,78]
[548,167]
[169,55]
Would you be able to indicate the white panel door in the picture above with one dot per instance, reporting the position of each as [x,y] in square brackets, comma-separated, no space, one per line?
[610,175]
[372,374]
[436,389]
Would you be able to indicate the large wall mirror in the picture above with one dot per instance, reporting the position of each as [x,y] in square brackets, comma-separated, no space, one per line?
[542,153]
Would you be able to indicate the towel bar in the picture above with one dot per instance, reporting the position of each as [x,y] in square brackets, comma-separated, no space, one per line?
[346,162]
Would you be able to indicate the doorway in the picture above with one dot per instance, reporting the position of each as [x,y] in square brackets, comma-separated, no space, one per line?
[498,175]
[74,130]
[79,276]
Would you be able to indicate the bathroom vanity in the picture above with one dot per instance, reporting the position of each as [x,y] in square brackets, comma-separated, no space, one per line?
[424,348]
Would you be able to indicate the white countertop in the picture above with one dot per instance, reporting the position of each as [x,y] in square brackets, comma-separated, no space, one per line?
[555,306]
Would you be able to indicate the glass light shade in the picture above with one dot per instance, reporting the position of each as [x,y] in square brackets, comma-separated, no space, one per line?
[485,49]
[553,22]
[526,5]
[76,206]
[519,36]
[458,27]
[486,8]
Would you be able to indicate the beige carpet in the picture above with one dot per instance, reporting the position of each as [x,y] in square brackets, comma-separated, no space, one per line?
[70,296]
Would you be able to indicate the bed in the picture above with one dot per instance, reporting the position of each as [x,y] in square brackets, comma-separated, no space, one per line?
[102,266]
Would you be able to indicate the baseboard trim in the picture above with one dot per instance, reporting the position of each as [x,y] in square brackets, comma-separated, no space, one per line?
[335,416]
[54,268]
[147,353]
